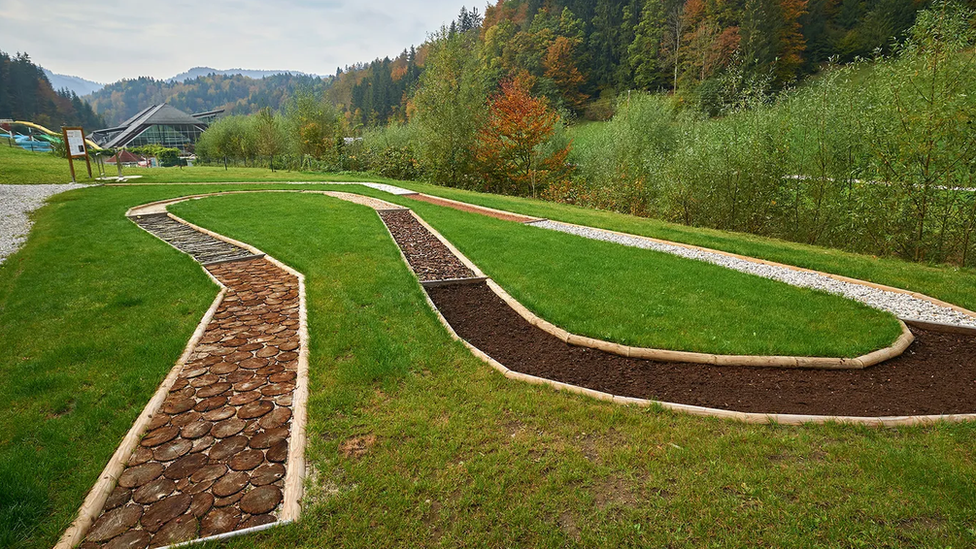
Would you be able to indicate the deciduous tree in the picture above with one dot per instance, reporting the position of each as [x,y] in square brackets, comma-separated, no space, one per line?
[511,146]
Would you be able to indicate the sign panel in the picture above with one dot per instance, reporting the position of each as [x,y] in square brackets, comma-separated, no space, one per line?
[76,143]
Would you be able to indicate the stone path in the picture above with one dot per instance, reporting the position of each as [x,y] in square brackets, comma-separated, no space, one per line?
[214,458]
[204,248]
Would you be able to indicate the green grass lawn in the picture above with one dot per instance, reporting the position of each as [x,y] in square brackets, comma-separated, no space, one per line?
[948,283]
[944,282]
[20,167]
[651,299]
[94,312]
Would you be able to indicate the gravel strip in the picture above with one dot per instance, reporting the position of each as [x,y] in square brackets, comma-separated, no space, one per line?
[16,203]
[901,305]
[399,191]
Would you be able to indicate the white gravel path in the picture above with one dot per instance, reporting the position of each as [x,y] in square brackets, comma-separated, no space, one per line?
[16,203]
[901,305]
[378,186]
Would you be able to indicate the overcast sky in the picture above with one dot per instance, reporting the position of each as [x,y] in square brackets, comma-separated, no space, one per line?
[109,40]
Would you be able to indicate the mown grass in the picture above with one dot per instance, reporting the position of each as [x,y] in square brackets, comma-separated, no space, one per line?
[20,167]
[652,299]
[93,313]
[461,456]
[452,454]
[948,283]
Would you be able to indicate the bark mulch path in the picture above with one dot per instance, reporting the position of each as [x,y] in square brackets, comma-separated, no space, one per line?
[936,375]
[427,256]
[213,459]
[472,209]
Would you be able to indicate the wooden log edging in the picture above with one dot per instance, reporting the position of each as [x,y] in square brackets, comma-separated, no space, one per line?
[295,468]
[484,210]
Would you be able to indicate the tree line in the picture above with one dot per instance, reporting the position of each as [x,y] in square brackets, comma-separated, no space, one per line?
[235,93]
[26,94]
[584,54]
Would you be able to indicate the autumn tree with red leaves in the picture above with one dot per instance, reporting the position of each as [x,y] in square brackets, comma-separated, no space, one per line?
[512,150]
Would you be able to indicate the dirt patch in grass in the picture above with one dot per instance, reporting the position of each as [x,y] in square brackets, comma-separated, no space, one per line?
[937,375]
[613,492]
[357,447]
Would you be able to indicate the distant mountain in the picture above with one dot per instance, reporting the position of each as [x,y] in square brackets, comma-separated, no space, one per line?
[235,93]
[197,72]
[26,94]
[73,83]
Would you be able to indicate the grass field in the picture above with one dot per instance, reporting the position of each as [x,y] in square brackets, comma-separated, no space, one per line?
[948,283]
[94,312]
[651,299]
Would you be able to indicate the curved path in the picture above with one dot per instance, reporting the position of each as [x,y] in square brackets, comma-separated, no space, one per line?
[219,450]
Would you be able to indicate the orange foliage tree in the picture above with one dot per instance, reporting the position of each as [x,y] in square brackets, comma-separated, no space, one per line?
[512,150]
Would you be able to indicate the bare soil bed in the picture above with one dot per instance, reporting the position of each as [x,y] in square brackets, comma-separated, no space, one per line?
[936,375]
[427,256]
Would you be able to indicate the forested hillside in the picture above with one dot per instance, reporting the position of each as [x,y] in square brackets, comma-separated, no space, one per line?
[26,94]
[238,94]
[583,53]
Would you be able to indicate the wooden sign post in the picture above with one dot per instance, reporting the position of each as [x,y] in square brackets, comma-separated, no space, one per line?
[5,126]
[74,141]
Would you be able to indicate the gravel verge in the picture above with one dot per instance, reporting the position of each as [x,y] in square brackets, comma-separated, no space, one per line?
[16,204]
[901,305]
[399,191]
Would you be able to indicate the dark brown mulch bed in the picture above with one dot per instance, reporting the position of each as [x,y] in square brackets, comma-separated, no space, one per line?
[937,375]
[430,259]
[471,209]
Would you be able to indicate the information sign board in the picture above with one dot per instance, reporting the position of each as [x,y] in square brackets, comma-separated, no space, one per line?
[76,143]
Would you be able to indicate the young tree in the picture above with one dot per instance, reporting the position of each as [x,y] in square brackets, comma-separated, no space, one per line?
[511,147]
[270,137]
[448,107]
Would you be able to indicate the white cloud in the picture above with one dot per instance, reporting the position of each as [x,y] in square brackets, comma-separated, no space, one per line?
[115,39]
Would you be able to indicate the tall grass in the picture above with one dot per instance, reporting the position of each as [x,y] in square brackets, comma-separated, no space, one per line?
[872,157]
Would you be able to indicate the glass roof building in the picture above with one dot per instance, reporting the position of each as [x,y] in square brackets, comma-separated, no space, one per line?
[158,125]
